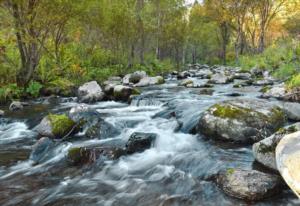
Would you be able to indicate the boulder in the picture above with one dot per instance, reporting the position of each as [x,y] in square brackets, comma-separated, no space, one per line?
[243,121]
[89,155]
[264,150]
[204,73]
[186,82]
[277,91]
[220,78]
[123,93]
[250,185]
[287,160]
[243,76]
[206,91]
[134,77]
[40,150]
[263,82]
[148,81]
[90,92]
[56,126]
[90,122]
[138,142]
[292,110]
[183,75]
[16,105]
[2,113]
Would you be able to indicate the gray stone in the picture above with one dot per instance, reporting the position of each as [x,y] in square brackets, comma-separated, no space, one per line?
[292,110]
[240,120]
[277,91]
[138,142]
[15,106]
[2,113]
[250,185]
[264,150]
[90,92]
[148,81]
[220,78]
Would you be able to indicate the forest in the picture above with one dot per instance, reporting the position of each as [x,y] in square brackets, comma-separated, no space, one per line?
[64,43]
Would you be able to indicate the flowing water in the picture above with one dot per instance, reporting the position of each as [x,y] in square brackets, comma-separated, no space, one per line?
[176,171]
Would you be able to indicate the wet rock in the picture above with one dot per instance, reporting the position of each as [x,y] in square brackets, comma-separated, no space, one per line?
[175,73]
[148,81]
[2,113]
[183,75]
[287,160]
[234,94]
[256,71]
[277,91]
[292,110]
[264,150]
[243,76]
[134,77]
[204,73]
[55,126]
[263,82]
[90,92]
[86,155]
[206,91]
[250,185]
[186,82]
[40,150]
[138,142]
[91,123]
[123,93]
[16,105]
[220,78]
[242,121]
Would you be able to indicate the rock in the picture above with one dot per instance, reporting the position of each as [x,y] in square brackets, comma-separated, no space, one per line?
[90,92]
[234,94]
[91,123]
[183,75]
[249,185]
[186,82]
[147,81]
[40,150]
[292,110]
[134,77]
[263,82]
[256,71]
[264,150]
[123,93]
[243,121]
[204,73]
[138,142]
[277,91]
[55,126]
[243,76]
[220,78]
[206,91]
[15,106]
[85,155]
[175,73]
[287,160]
[2,113]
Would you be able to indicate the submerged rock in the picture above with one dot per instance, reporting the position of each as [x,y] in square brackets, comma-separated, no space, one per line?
[91,123]
[287,160]
[264,150]
[242,121]
[85,155]
[206,91]
[249,185]
[55,126]
[90,92]
[40,150]
[292,110]
[138,142]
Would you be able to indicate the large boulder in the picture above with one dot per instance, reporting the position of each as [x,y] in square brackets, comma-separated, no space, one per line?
[148,81]
[90,122]
[243,76]
[243,121]
[41,150]
[56,126]
[138,142]
[220,78]
[292,110]
[123,93]
[183,75]
[287,160]
[16,106]
[250,185]
[277,91]
[89,155]
[264,150]
[90,92]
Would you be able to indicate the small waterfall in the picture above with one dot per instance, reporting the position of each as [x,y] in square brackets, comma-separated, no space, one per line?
[145,100]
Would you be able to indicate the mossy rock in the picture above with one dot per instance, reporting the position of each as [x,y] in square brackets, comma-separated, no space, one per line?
[160,80]
[61,124]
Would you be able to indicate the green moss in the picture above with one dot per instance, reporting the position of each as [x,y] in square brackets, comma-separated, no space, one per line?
[278,116]
[74,154]
[135,91]
[230,171]
[161,80]
[61,124]
[228,111]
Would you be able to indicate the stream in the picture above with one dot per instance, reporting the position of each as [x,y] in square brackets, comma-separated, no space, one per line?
[177,170]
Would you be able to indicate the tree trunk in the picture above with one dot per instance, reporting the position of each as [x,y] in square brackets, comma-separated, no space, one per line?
[140,6]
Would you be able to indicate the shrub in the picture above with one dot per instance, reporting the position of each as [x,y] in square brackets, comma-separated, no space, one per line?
[293,82]
[10,92]
[34,89]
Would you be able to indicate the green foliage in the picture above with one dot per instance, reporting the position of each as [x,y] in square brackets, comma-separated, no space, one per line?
[34,89]
[293,82]
[10,92]
[285,71]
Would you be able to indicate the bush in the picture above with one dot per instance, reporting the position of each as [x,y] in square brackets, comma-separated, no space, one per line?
[10,92]
[285,71]
[34,89]
[293,82]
